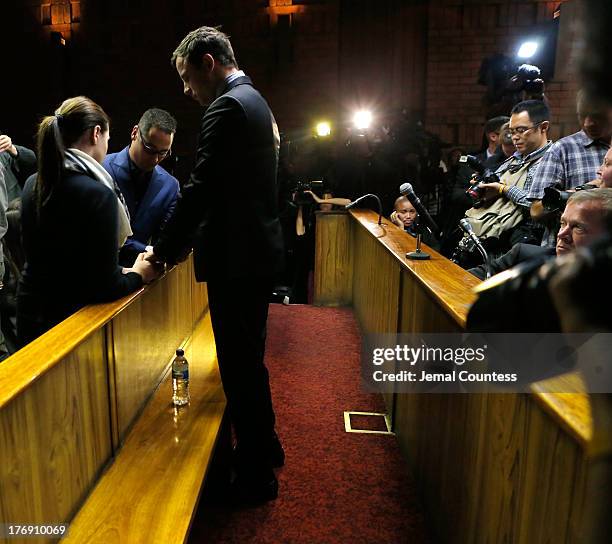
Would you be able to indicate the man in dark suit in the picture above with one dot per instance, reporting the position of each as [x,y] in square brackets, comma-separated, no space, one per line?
[237,159]
[149,191]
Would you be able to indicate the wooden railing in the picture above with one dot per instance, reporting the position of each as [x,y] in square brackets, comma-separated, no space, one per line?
[69,398]
[491,467]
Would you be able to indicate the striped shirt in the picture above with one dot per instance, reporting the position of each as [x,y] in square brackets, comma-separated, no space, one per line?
[571,161]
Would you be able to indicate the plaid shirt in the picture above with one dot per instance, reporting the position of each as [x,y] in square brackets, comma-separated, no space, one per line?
[518,195]
[571,161]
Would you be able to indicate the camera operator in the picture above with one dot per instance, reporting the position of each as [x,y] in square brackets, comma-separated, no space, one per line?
[493,154]
[571,161]
[328,201]
[501,212]
[584,219]
[505,150]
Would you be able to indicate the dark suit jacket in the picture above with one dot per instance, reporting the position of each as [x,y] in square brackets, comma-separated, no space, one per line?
[148,217]
[518,254]
[228,208]
[71,253]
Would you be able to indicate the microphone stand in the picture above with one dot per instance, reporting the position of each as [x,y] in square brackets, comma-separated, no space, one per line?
[467,228]
[487,261]
[360,199]
[417,254]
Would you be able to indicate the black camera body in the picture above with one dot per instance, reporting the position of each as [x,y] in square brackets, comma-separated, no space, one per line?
[527,79]
[523,303]
[301,198]
[555,200]
[483,175]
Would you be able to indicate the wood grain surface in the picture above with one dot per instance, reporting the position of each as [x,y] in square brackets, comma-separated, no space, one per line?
[145,337]
[67,398]
[55,439]
[151,491]
[491,467]
[447,283]
[333,269]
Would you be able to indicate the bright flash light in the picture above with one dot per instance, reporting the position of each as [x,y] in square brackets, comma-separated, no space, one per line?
[527,50]
[323,129]
[362,119]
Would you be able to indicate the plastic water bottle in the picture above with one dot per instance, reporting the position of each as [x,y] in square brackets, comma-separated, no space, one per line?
[180,379]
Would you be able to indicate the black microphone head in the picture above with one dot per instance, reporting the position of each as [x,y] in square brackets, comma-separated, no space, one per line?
[406,188]
[466,225]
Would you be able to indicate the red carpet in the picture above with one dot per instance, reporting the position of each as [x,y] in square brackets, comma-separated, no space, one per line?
[336,487]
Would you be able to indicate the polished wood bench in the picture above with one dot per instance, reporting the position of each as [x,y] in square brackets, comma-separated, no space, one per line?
[85,416]
[151,490]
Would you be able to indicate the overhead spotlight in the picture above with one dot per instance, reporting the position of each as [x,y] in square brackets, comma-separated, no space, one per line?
[527,50]
[323,129]
[362,119]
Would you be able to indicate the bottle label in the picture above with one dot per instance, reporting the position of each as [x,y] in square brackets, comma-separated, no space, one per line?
[178,374]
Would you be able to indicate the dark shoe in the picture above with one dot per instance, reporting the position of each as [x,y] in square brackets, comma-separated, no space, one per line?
[276,453]
[246,491]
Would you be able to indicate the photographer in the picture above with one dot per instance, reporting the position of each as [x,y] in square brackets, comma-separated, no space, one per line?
[502,209]
[584,219]
[493,155]
[328,201]
[571,161]
[505,150]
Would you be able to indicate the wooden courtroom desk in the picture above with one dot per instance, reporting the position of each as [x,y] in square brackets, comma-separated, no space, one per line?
[490,467]
[71,398]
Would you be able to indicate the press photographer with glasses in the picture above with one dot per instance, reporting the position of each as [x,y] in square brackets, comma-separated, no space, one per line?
[150,192]
[500,216]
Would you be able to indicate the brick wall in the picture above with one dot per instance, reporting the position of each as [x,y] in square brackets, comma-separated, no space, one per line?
[461,35]
[310,58]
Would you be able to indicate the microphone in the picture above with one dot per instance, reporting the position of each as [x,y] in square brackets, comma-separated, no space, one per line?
[407,191]
[466,226]
[362,198]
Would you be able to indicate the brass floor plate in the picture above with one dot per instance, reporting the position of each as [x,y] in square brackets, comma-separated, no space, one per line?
[349,429]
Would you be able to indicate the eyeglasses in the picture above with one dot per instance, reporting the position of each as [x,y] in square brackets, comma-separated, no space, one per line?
[522,130]
[151,150]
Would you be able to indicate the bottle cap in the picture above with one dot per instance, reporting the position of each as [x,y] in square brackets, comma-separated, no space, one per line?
[180,352]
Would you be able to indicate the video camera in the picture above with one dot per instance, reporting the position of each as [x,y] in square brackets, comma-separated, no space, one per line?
[527,79]
[483,175]
[525,301]
[555,200]
[301,198]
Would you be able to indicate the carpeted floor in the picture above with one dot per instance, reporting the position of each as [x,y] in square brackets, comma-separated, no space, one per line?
[335,487]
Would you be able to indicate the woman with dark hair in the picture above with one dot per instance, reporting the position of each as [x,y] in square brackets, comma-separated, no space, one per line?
[74,221]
